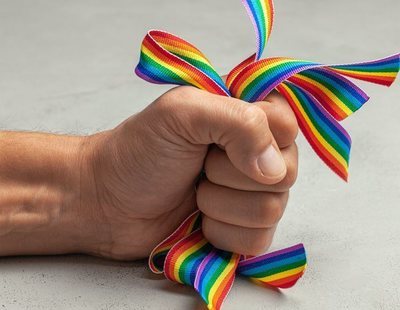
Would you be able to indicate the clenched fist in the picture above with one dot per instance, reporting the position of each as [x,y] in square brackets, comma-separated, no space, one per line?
[142,179]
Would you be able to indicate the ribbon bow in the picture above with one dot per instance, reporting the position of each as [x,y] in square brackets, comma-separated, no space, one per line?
[319,95]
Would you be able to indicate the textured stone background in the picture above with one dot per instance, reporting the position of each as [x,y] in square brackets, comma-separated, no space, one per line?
[66,66]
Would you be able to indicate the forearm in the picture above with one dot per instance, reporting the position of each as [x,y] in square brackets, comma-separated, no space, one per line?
[39,194]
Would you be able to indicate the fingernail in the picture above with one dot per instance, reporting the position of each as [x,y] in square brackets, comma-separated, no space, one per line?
[271,162]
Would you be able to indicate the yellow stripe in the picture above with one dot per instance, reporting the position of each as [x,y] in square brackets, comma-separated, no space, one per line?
[182,74]
[185,254]
[170,244]
[183,52]
[221,278]
[265,67]
[266,16]
[321,139]
[281,275]
[372,74]
[328,92]
[172,40]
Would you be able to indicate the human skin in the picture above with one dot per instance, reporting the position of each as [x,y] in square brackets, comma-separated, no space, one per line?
[118,193]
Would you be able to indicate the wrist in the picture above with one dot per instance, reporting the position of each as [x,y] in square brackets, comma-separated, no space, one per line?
[40,178]
[85,203]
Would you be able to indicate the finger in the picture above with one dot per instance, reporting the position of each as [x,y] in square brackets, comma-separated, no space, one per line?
[241,128]
[281,118]
[237,239]
[219,170]
[241,208]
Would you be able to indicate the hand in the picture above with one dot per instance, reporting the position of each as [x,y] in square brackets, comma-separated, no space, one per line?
[139,179]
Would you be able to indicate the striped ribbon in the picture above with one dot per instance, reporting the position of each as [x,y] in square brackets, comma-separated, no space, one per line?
[186,257]
[319,95]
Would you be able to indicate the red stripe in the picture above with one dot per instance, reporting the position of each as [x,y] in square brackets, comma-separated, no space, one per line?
[175,61]
[315,144]
[176,40]
[382,80]
[226,286]
[248,71]
[322,97]
[287,281]
[235,71]
[177,250]
[177,234]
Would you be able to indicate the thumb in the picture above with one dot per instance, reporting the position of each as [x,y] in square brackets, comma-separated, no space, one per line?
[241,128]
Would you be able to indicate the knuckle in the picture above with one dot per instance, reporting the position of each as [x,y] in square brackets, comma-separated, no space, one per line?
[271,210]
[176,96]
[291,174]
[292,131]
[257,242]
[211,165]
[205,226]
[289,123]
[290,178]
[210,232]
[183,92]
[252,118]
[202,196]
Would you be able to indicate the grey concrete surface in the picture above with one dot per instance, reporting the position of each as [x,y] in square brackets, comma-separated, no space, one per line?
[66,66]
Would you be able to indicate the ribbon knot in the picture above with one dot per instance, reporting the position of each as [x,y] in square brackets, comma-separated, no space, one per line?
[186,257]
[319,95]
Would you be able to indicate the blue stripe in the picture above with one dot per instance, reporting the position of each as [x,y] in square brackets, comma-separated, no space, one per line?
[273,259]
[322,120]
[341,87]
[158,75]
[266,78]
[268,266]
[349,86]
[387,63]
[208,271]
[258,23]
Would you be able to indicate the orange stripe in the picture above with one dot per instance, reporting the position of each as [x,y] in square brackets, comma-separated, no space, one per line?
[249,70]
[324,99]
[202,79]
[224,287]
[287,280]
[330,160]
[182,246]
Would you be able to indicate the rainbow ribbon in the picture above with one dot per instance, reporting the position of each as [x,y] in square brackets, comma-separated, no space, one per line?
[320,96]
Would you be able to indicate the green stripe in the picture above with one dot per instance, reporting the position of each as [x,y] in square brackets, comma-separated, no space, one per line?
[270,72]
[216,274]
[321,130]
[263,25]
[183,267]
[276,270]
[338,93]
[368,70]
[150,62]
[206,68]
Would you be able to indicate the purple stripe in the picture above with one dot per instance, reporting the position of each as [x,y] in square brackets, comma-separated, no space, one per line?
[395,56]
[275,83]
[270,255]
[272,84]
[201,268]
[146,77]
[253,21]
[332,121]
[344,80]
